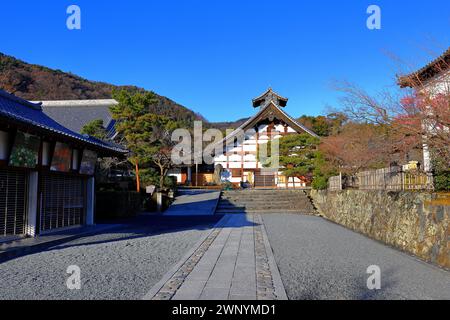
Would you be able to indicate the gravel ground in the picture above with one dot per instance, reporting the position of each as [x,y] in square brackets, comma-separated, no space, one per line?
[121,264]
[321,260]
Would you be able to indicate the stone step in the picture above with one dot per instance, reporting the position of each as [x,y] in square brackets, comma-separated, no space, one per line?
[263,205]
[254,194]
[297,211]
[265,201]
[250,195]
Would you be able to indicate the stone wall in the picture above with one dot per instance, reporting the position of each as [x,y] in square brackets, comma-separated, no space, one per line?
[416,222]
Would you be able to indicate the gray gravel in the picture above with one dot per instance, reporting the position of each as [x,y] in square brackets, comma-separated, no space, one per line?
[120,264]
[321,260]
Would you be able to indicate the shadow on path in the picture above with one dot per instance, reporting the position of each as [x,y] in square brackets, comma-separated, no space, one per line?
[133,228]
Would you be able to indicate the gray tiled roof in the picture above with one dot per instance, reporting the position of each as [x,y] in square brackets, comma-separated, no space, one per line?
[75,114]
[31,114]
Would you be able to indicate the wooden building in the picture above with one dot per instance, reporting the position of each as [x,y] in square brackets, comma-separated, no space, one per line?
[432,80]
[240,155]
[46,171]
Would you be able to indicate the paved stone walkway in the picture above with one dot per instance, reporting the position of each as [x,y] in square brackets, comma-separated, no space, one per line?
[191,202]
[234,261]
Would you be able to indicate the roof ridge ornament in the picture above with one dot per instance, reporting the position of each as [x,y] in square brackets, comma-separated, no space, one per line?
[270,96]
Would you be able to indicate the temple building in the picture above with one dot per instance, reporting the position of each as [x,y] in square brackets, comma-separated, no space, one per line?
[240,156]
[433,79]
[47,171]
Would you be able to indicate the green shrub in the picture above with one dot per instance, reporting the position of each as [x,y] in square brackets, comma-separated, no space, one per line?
[320,183]
[442,181]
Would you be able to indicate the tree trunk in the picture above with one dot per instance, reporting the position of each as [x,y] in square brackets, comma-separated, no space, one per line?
[161,178]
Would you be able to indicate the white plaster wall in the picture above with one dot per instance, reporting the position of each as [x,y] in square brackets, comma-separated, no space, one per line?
[235,158]
[439,84]
[250,148]
[250,157]
[250,165]
[221,158]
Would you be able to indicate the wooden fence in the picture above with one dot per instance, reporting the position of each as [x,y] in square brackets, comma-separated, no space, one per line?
[391,179]
[335,183]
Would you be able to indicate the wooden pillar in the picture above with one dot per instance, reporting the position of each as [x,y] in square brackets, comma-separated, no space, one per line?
[196,174]
[257,147]
[138,182]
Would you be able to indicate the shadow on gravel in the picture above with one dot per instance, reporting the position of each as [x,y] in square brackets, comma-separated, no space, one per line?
[387,283]
[133,228]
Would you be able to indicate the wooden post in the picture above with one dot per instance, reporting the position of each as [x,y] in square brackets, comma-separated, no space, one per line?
[196,174]
[159,202]
[138,182]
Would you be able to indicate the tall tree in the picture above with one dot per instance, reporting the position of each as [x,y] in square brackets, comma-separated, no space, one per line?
[359,146]
[324,125]
[415,118]
[297,155]
[146,135]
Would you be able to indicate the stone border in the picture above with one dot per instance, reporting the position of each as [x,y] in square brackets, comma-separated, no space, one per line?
[166,288]
[269,285]
[279,289]
[217,203]
[268,281]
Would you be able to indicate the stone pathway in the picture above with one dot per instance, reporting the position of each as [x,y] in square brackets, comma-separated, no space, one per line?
[191,202]
[234,261]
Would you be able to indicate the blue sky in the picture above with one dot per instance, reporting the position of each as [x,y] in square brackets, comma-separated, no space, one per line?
[214,56]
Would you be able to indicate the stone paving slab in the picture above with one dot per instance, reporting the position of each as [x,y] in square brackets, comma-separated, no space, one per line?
[234,262]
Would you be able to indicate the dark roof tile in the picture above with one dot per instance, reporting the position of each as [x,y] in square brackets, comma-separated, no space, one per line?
[28,113]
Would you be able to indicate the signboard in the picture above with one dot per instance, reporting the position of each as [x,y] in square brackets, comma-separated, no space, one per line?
[62,158]
[25,151]
[150,189]
[88,162]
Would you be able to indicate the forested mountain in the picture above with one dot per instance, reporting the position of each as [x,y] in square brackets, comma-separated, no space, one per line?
[34,82]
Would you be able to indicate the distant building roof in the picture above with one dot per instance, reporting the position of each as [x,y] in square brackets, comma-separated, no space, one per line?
[75,114]
[23,112]
[432,69]
[269,96]
[269,110]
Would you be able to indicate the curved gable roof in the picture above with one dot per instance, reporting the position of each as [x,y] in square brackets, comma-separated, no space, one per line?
[262,114]
[432,69]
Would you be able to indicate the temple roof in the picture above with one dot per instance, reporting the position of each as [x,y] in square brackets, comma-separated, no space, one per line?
[432,69]
[271,110]
[75,114]
[30,115]
[269,96]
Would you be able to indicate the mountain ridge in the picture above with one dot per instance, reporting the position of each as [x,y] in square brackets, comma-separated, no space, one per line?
[36,82]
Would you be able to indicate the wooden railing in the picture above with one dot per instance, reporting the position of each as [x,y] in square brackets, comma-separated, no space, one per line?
[335,183]
[393,178]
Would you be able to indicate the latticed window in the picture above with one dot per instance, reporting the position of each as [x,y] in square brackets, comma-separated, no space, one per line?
[13,202]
